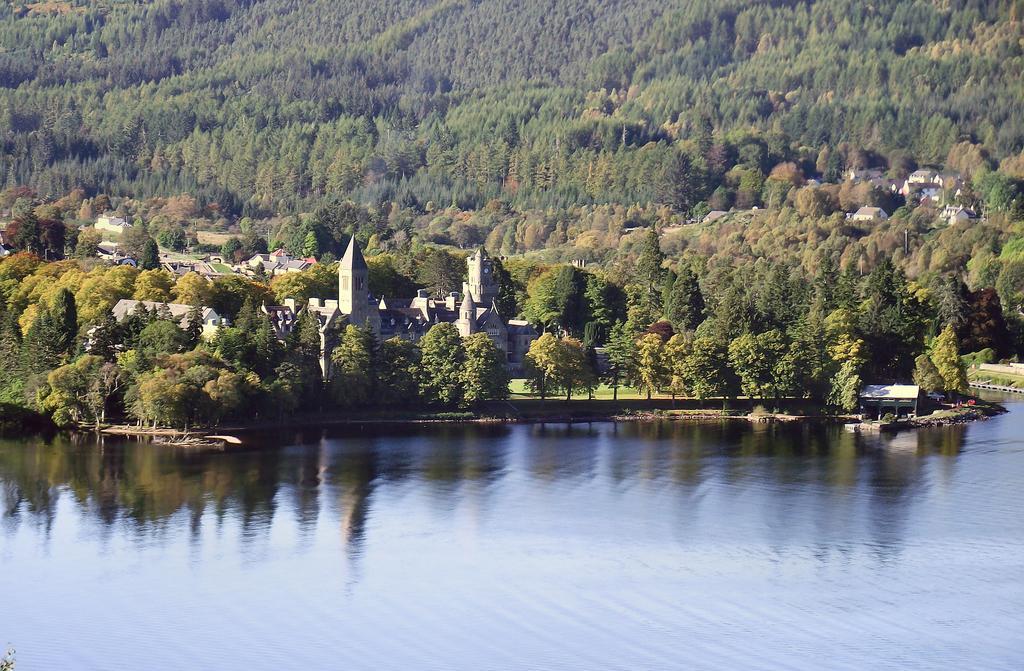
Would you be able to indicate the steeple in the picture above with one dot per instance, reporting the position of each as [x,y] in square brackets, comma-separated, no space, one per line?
[353,259]
[353,286]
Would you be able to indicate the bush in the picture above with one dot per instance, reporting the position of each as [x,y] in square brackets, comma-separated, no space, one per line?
[888,417]
[987,355]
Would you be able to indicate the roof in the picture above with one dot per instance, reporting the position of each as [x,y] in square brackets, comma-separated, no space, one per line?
[353,259]
[521,327]
[179,311]
[715,214]
[890,391]
[871,212]
[111,220]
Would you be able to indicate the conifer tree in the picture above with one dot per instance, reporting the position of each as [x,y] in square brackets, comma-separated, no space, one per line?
[945,355]
[65,324]
[149,257]
[684,305]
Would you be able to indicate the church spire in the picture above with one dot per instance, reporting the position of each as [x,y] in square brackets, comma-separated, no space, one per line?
[353,259]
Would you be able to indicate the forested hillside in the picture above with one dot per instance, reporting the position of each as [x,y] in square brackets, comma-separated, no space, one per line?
[263,107]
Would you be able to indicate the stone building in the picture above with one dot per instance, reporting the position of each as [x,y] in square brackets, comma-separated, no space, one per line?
[475,310]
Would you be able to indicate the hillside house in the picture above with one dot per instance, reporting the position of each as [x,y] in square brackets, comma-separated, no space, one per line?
[867,213]
[179,312]
[111,224]
[953,214]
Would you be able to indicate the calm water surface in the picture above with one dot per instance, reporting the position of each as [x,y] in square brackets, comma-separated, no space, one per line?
[601,546]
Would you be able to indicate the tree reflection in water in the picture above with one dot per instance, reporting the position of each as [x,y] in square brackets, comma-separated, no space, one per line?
[140,485]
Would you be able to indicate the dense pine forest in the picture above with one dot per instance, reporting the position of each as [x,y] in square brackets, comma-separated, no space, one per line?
[264,107]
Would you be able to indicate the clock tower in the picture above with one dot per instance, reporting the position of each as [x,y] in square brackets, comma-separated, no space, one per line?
[481,284]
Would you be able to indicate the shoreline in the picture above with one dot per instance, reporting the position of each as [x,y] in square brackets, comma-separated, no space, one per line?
[228,433]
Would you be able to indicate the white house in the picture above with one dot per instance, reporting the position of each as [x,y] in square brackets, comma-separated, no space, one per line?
[954,213]
[922,177]
[870,214]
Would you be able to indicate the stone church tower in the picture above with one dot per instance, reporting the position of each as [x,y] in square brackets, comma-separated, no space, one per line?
[481,278]
[467,316]
[353,289]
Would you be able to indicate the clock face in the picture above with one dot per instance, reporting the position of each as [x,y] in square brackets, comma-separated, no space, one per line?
[487,271]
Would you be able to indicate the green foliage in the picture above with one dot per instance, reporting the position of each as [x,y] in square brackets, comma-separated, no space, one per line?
[652,369]
[149,259]
[79,392]
[708,371]
[556,300]
[161,337]
[945,355]
[760,362]
[684,304]
[558,364]
[846,386]
[485,376]
[926,375]
[354,368]
[189,389]
[440,371]
[399,360]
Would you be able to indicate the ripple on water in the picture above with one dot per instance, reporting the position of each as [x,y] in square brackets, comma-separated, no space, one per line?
[600,547]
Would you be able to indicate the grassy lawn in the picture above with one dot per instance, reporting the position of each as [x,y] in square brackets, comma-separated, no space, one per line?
[213,237]
[519,389]
[1001,379]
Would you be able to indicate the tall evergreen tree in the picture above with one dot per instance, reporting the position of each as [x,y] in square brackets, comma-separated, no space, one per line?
[65,323]
[684,305]
[149,258]
[649,271]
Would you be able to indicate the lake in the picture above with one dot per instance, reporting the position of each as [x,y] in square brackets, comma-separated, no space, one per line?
[593,546]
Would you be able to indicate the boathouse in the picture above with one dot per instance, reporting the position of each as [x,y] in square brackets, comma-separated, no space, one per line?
[878,400]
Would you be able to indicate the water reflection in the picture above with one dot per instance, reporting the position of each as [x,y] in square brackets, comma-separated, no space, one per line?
[634,545]
[140,485]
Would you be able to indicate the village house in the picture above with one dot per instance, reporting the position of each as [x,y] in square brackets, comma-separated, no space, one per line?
[210,319]
[111,251]
[278,262]
[928,186]
[863,174]
[179,267]
[111,224]
[867,213]
[953,214]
